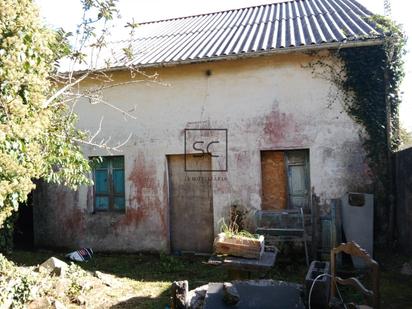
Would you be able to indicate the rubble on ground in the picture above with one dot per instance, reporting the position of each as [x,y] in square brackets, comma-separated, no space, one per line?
[107,279]
[56,284]
[54,266]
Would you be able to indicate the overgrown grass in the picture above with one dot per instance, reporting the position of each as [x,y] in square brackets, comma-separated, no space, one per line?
[150,275]
[396,289]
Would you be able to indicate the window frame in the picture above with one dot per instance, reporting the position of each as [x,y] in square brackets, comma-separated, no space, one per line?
[111,194]
[305,163]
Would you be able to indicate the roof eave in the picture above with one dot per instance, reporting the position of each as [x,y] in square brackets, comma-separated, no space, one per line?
[297,49]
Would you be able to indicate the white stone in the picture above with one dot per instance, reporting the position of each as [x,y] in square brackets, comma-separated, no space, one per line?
[54,265]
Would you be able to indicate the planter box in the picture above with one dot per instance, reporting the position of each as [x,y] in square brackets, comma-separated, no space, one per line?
[240,246]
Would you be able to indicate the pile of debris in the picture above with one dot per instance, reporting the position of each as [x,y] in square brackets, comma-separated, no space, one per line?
[54,284]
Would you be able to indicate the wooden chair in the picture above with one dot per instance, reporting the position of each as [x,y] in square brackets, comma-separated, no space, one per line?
[286,225]
[371,296]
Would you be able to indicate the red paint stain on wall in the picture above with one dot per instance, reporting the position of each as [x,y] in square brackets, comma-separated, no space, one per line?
[133,216]
[142,177]
[144,199]
[281,128]
[68,217]
[276,126]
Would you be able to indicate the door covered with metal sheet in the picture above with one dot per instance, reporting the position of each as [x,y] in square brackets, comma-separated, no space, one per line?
[191,209]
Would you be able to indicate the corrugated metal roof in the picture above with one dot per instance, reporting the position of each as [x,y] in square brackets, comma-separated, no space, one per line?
[245,31]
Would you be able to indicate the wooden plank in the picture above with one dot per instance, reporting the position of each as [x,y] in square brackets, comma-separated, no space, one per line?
[315,226]
[274,186]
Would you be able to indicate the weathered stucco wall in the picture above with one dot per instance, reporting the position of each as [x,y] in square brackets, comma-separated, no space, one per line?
[266,103]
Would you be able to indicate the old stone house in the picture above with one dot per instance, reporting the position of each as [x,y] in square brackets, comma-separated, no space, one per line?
[234,83]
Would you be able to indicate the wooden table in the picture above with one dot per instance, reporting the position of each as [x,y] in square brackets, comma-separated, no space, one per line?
[241,268]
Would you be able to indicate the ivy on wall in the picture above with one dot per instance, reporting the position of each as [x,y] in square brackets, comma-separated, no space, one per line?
[374,75]
[370,78]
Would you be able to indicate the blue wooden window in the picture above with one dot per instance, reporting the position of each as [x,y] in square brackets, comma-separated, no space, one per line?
[108,175]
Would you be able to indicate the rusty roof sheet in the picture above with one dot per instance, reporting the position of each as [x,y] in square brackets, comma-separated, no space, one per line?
[247,31]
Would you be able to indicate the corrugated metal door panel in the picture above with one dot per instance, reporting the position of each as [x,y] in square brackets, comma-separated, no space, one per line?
[191,208]
[274,186]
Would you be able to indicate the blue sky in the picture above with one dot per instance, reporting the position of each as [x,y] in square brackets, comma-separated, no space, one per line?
[67,13]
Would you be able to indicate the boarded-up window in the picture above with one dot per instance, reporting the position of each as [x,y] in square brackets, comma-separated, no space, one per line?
[285,179]
[108,177]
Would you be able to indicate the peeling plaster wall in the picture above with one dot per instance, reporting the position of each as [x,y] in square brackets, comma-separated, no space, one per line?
[266,103]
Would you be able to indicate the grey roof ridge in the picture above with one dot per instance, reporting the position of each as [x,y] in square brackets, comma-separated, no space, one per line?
[243,8]
[215,12]
[225,28]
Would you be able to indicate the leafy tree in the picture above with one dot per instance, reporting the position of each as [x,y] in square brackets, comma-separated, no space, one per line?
[38,134]
[38,137]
